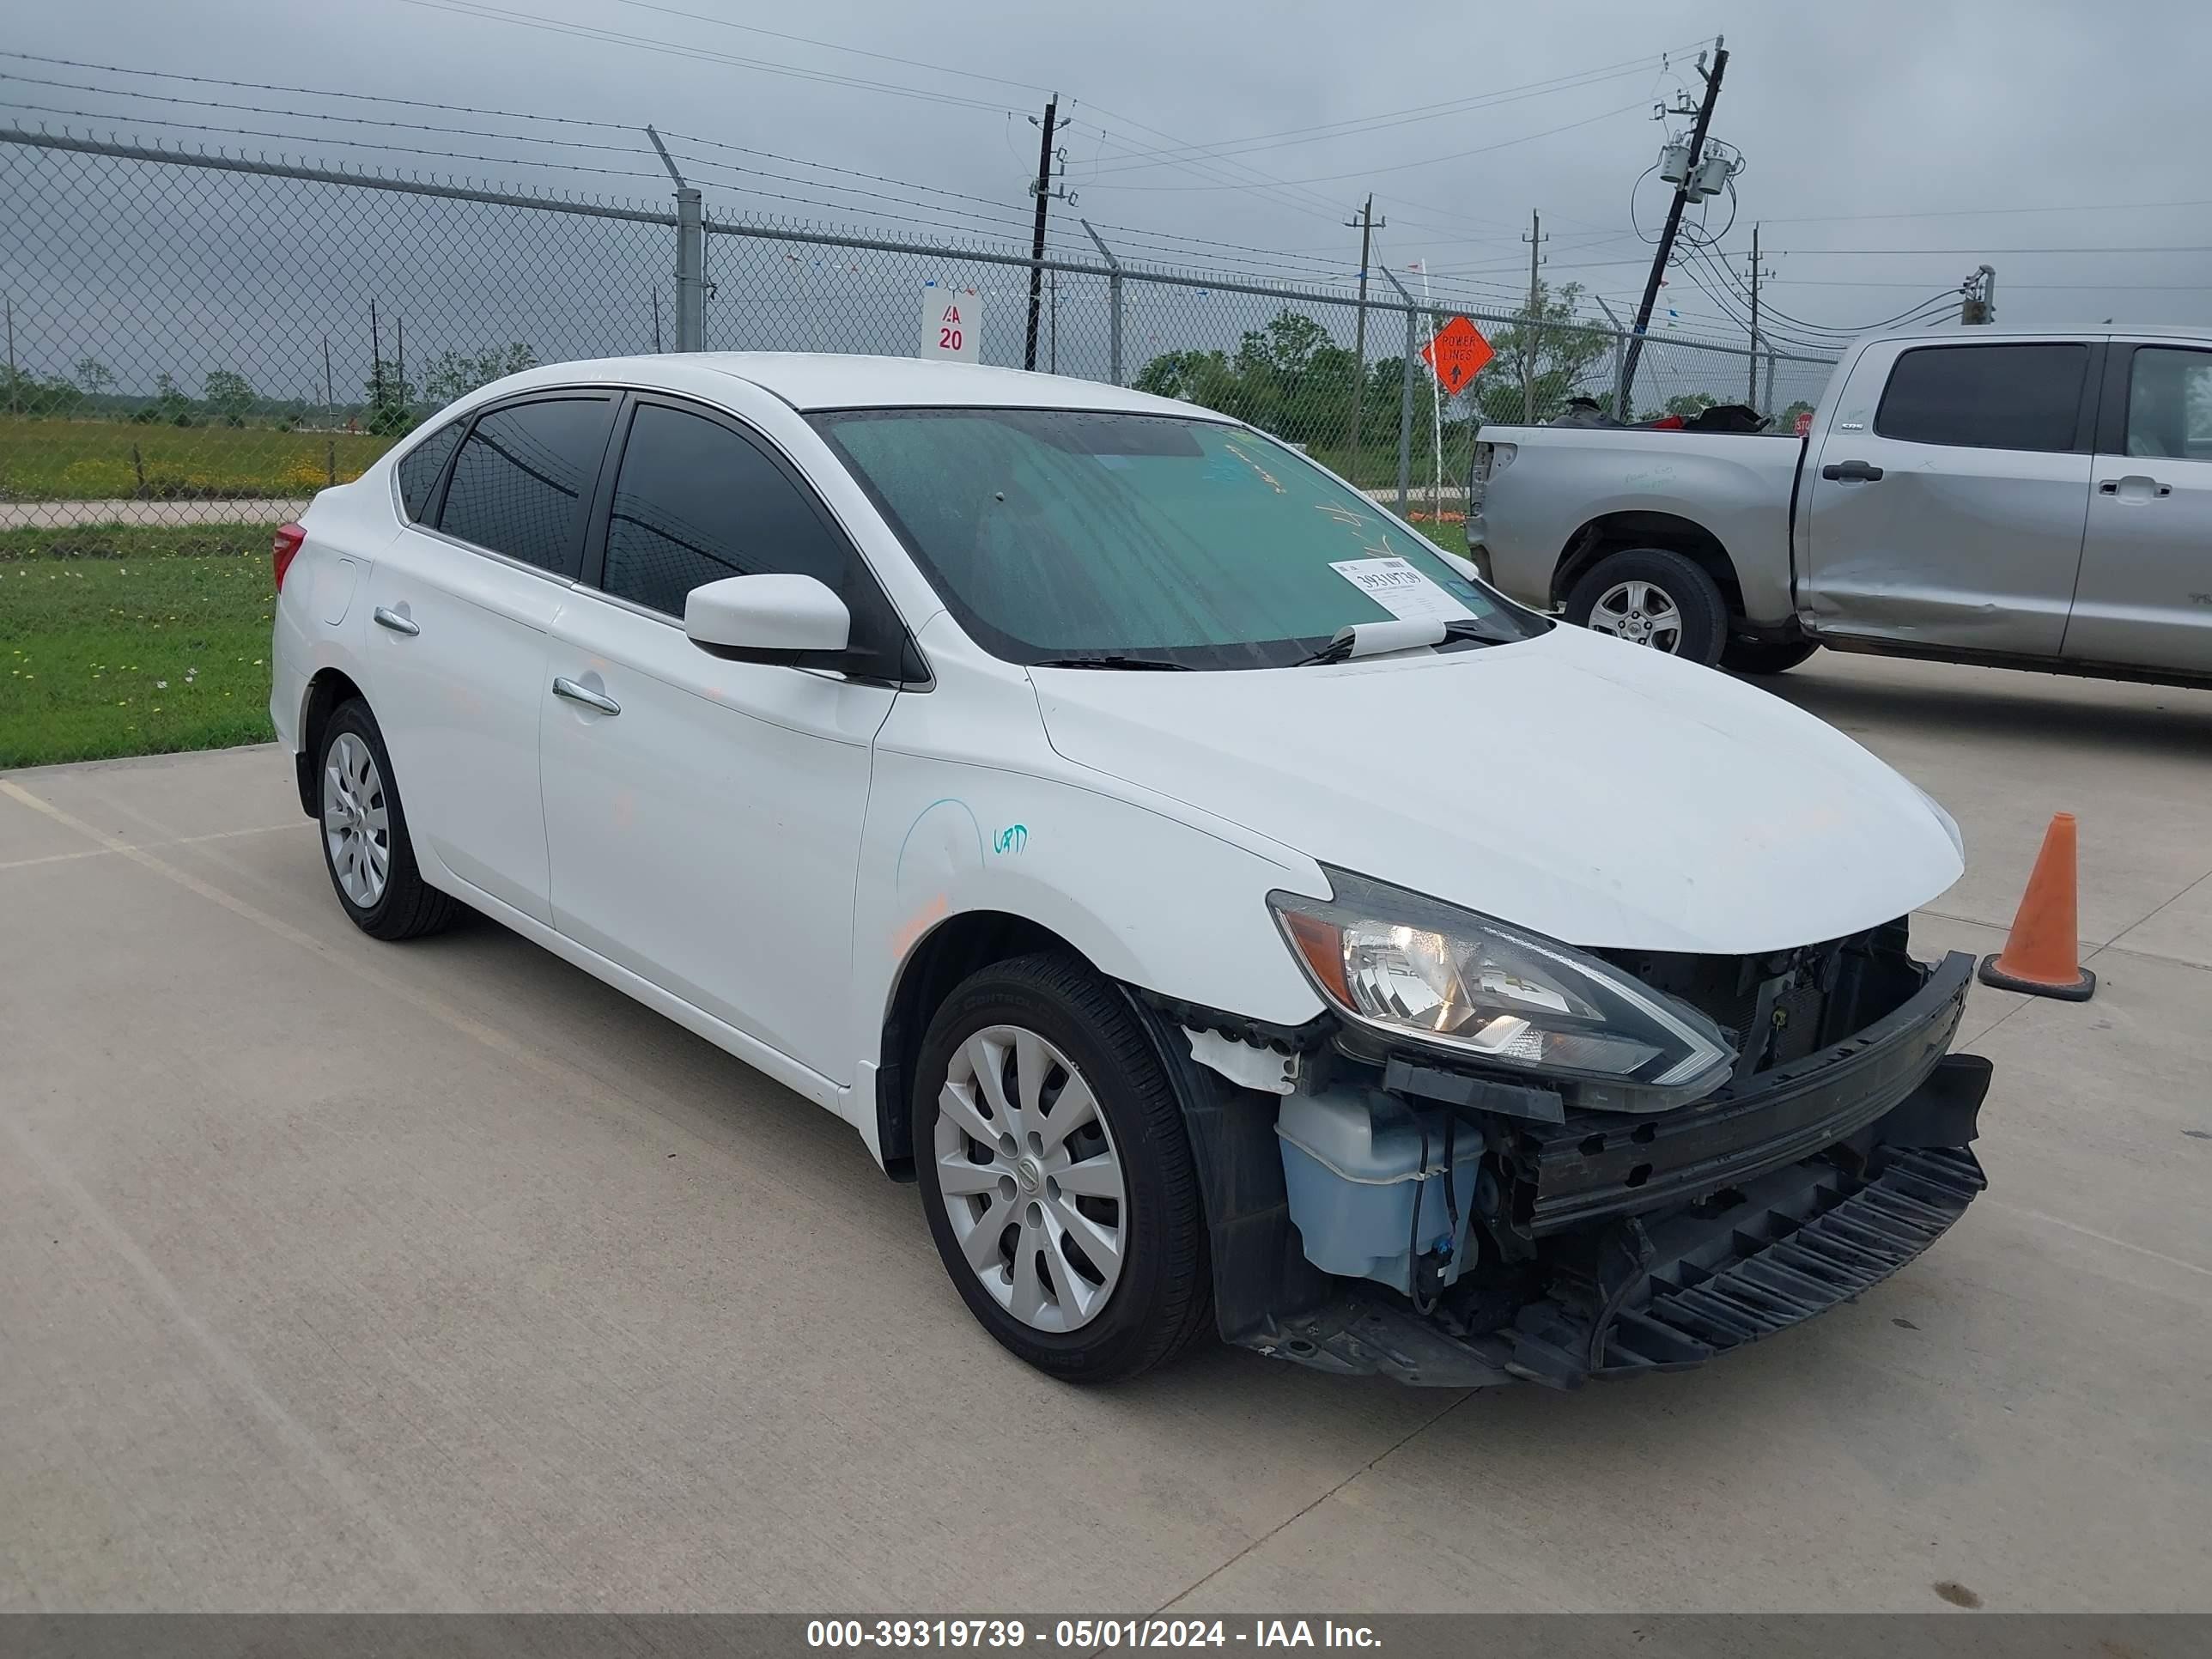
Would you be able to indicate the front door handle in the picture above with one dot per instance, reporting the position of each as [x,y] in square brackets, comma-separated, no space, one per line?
[2150,486]
[585,694]
[1851,472]
[398,624]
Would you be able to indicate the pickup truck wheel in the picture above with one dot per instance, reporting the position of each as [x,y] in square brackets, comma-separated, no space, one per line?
[1056,1172]
[1654,598]
[1765,656]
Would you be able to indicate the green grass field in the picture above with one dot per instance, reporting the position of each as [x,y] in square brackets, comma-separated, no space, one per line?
[63,460]
[132,642]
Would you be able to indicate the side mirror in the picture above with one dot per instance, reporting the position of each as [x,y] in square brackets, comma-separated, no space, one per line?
[775,619]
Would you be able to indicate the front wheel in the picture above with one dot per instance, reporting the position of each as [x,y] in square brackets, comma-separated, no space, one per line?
[1656,597]
[1056,1172]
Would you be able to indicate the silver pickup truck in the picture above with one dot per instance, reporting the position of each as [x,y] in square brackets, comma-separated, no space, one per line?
[2030,500]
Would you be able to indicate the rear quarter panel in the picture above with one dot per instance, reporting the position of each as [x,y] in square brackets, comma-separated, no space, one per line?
[1562,479]
[318,620]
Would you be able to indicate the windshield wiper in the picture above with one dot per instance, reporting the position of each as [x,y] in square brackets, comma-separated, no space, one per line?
[1114,660]
[1407,633]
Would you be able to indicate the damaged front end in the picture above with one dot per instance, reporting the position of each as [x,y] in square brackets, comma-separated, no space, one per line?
[1380,1205]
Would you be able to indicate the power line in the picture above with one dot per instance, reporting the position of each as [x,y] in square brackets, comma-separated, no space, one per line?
[303,138]
[1003,228]
[1976,252]
[832,45]
[1264,185]
[1960,213]
[314,115]
[474,132]
[1399,167]
[1354,126]
[314,92]
[2097,288]
[672,49]
[1732,296]
[825,167]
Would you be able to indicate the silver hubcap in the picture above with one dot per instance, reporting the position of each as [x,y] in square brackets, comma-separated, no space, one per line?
[354,825]
[1640,613]
[1030,1179]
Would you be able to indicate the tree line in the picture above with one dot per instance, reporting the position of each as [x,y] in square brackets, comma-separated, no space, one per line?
[1291,379]
[392,403]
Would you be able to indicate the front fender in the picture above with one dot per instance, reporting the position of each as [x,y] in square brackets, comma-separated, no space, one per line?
[1149,900]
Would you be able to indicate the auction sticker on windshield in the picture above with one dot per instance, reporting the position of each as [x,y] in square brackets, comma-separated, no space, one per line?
[1400,589]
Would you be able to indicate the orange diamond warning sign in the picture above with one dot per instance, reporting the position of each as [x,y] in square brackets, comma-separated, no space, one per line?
[1457,354]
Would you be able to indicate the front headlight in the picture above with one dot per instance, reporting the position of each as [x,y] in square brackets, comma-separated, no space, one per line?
[1419,968]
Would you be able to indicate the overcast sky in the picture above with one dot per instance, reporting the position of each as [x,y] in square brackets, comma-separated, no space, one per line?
[1935,108]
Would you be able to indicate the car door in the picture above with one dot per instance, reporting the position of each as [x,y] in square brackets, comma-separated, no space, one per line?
[1946,503]
[704,815]
[2145,597]
[460,603]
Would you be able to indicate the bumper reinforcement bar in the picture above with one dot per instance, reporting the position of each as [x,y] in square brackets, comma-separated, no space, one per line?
[1791,1245]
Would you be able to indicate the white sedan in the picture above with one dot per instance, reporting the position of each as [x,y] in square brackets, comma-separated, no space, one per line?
[1232,913]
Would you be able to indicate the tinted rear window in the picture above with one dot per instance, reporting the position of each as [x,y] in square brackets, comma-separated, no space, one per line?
[521,480]
[1985,396]
[418,472]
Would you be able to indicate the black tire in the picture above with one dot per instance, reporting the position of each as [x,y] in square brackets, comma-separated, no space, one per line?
[1696,596]
[1164,1296]
[1765,656]
[409,907]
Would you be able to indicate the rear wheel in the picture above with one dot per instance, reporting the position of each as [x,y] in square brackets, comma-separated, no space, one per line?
[1765,656]
[365,844]
[1652,596]
[1056,1172]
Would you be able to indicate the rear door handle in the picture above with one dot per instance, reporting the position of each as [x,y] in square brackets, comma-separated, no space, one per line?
[397,623]
[1851,472]
[2111,486]
[585,694]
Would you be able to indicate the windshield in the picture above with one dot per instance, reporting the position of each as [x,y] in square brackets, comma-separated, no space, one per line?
[1074,534]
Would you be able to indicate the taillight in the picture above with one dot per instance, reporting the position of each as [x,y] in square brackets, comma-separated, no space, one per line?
[285,548]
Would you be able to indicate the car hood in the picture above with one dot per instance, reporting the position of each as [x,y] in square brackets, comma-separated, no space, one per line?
[1597,791]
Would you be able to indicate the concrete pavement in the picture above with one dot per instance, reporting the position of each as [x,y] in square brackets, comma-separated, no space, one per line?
[338,1275]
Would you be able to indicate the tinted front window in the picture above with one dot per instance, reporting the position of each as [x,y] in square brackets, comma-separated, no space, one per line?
[2170,404]
[1985,396]
[418,472]
[1059,533]
[694,502]
[520,481]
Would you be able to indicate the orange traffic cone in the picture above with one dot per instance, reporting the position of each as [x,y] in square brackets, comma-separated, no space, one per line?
[2042,954]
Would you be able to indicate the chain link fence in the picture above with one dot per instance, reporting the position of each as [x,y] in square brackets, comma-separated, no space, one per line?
[195,338]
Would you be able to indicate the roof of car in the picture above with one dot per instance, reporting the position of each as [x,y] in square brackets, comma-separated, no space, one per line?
[817,379]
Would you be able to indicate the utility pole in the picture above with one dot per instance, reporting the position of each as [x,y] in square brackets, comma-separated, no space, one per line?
[1712,78]
[1536,238]
[1756,272]
[1040,187]
[1367,224]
